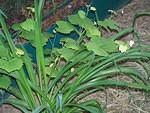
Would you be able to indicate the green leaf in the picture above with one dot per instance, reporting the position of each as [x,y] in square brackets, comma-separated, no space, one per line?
[108,24]
[16,26]
[107,83]
[81,14]
[123,46]
[21,104]
[75,19]
[59,102]
[11,65]
[81,20]
[70,43]
[90,106]
[30,36]
[108,45]
[96,49]
[64,27]
[51,71]
[102,46]
[45,37]
[66,53]
[92,31]
[3,51]
[39,109]
[4,82]
[28,25]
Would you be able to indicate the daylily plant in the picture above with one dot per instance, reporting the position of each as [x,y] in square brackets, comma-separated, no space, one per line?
[61,77]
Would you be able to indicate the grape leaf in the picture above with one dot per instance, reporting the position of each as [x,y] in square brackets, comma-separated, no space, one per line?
[70,43]
[64,27]
[11,65]
[28,25]
[3,51]
[109,24]
[83,21]
[102,46]
[4,82]
[66,53]
[81,14]
[30,36]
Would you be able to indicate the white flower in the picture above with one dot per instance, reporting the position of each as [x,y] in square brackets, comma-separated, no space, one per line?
[51,65]
[122,11]
[92,8]
[69,6]
[95,23]
[123,48]
[72,70]
[54,31]
[56,60]
[88,6]
[112,12]
[131,43]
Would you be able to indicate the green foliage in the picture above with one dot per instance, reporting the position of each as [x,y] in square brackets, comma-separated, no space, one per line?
[123,46]
[28,25]
[80,19]
[102,46]
[70,43]
[11,64]
[3,50]
[108,24]
[64,27]
[56,82]
[27,29]
[66,53]
[4,82]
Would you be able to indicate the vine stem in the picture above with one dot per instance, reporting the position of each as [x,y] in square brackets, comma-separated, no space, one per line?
[137,34]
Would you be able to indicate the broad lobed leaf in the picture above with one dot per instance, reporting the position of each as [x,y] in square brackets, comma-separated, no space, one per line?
[11,65]
[4,82]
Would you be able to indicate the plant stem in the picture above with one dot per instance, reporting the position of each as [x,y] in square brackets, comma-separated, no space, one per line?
[123,33]
[39,47]
[24,86]
[7,34]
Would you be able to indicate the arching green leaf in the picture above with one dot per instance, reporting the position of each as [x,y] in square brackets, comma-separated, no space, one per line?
[90,106]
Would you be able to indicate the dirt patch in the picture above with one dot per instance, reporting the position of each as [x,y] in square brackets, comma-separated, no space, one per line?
[126,14]
[8,109]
